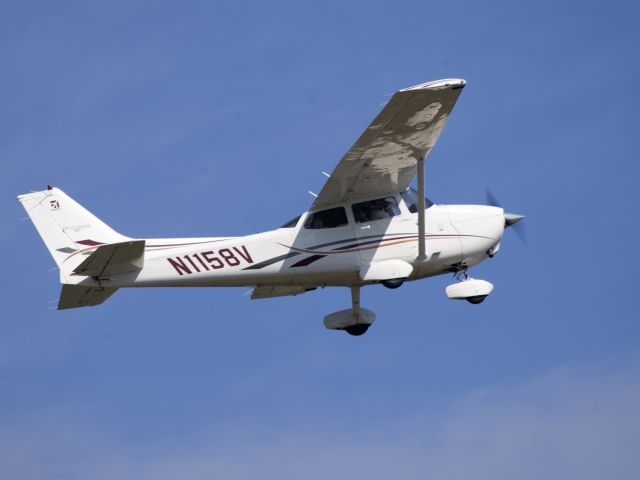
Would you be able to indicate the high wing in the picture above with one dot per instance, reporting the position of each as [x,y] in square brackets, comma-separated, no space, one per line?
[383,160]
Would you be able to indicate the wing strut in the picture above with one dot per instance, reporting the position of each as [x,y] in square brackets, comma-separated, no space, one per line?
[422,256]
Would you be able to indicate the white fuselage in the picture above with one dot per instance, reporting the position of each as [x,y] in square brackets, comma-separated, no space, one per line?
[457,237]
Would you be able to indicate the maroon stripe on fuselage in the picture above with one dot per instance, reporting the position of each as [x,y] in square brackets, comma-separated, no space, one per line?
[347,247]
[307,261]
[89,243]
[183,244]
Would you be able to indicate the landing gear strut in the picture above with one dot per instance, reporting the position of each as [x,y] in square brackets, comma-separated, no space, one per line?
[360,327]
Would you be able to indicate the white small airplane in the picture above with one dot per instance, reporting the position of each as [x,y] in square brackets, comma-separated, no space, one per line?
[366,226]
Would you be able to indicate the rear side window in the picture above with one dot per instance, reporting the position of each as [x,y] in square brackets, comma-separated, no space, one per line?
[378,209]
[331,218]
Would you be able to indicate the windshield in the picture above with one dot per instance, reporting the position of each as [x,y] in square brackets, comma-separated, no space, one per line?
[291,223]
[410,197]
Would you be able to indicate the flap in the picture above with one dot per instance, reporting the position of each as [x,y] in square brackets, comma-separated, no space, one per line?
[269,291]
[113,259]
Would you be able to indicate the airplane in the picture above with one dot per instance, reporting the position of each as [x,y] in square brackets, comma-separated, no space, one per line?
[366,226]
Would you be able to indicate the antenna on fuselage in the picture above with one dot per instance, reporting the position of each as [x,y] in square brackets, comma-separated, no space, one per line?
[312,194]
[252,225]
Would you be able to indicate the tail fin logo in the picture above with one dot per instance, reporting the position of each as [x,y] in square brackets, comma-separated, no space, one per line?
[54,205]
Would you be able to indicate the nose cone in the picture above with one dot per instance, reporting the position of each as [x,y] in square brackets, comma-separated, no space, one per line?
[511,219]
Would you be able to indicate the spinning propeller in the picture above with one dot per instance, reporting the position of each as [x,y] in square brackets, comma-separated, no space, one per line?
[510,219]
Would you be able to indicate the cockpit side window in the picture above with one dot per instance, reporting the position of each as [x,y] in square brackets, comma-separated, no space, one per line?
[378,209]
[331,218]
[291,223]
[410,197]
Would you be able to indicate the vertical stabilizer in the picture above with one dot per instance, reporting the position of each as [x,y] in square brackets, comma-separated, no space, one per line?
[68,229]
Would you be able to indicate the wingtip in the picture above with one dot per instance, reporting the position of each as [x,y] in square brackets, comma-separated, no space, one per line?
[454,83]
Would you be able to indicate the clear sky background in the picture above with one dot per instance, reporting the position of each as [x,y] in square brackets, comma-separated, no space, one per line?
[209,118]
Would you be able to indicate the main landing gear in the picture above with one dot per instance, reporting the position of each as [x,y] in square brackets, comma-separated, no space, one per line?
[355,320]
[357,329]
[395,283]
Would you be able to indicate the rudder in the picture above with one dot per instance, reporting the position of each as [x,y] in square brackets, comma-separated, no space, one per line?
[66,227]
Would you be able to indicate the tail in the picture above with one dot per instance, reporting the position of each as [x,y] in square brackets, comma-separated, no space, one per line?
[68,229]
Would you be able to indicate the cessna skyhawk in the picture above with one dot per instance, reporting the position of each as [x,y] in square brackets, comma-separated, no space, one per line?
[366,226]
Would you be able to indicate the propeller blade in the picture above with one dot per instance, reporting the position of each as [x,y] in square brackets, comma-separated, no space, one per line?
[521,232]
[510,219]
[492,200]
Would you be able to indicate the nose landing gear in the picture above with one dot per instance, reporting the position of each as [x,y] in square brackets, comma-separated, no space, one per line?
[476,299]
[470,289]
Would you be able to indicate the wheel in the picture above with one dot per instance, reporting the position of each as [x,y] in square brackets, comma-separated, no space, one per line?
[395,283]
[476,299]
[357,330]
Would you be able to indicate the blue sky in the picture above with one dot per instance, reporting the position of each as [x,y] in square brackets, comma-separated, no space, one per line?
[204,118]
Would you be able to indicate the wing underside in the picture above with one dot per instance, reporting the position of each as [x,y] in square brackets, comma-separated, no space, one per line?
[269,291]
[383,160]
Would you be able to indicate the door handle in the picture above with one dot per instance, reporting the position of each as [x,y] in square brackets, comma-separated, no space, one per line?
[366,227]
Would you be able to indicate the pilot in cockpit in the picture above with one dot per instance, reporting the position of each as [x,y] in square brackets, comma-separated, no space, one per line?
[378,210]
[372,210]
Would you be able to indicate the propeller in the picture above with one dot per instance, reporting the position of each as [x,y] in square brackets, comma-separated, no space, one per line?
[510,219]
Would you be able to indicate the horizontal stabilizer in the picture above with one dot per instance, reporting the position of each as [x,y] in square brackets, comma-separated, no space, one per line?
[268,291]
[73,296]
[113,259]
